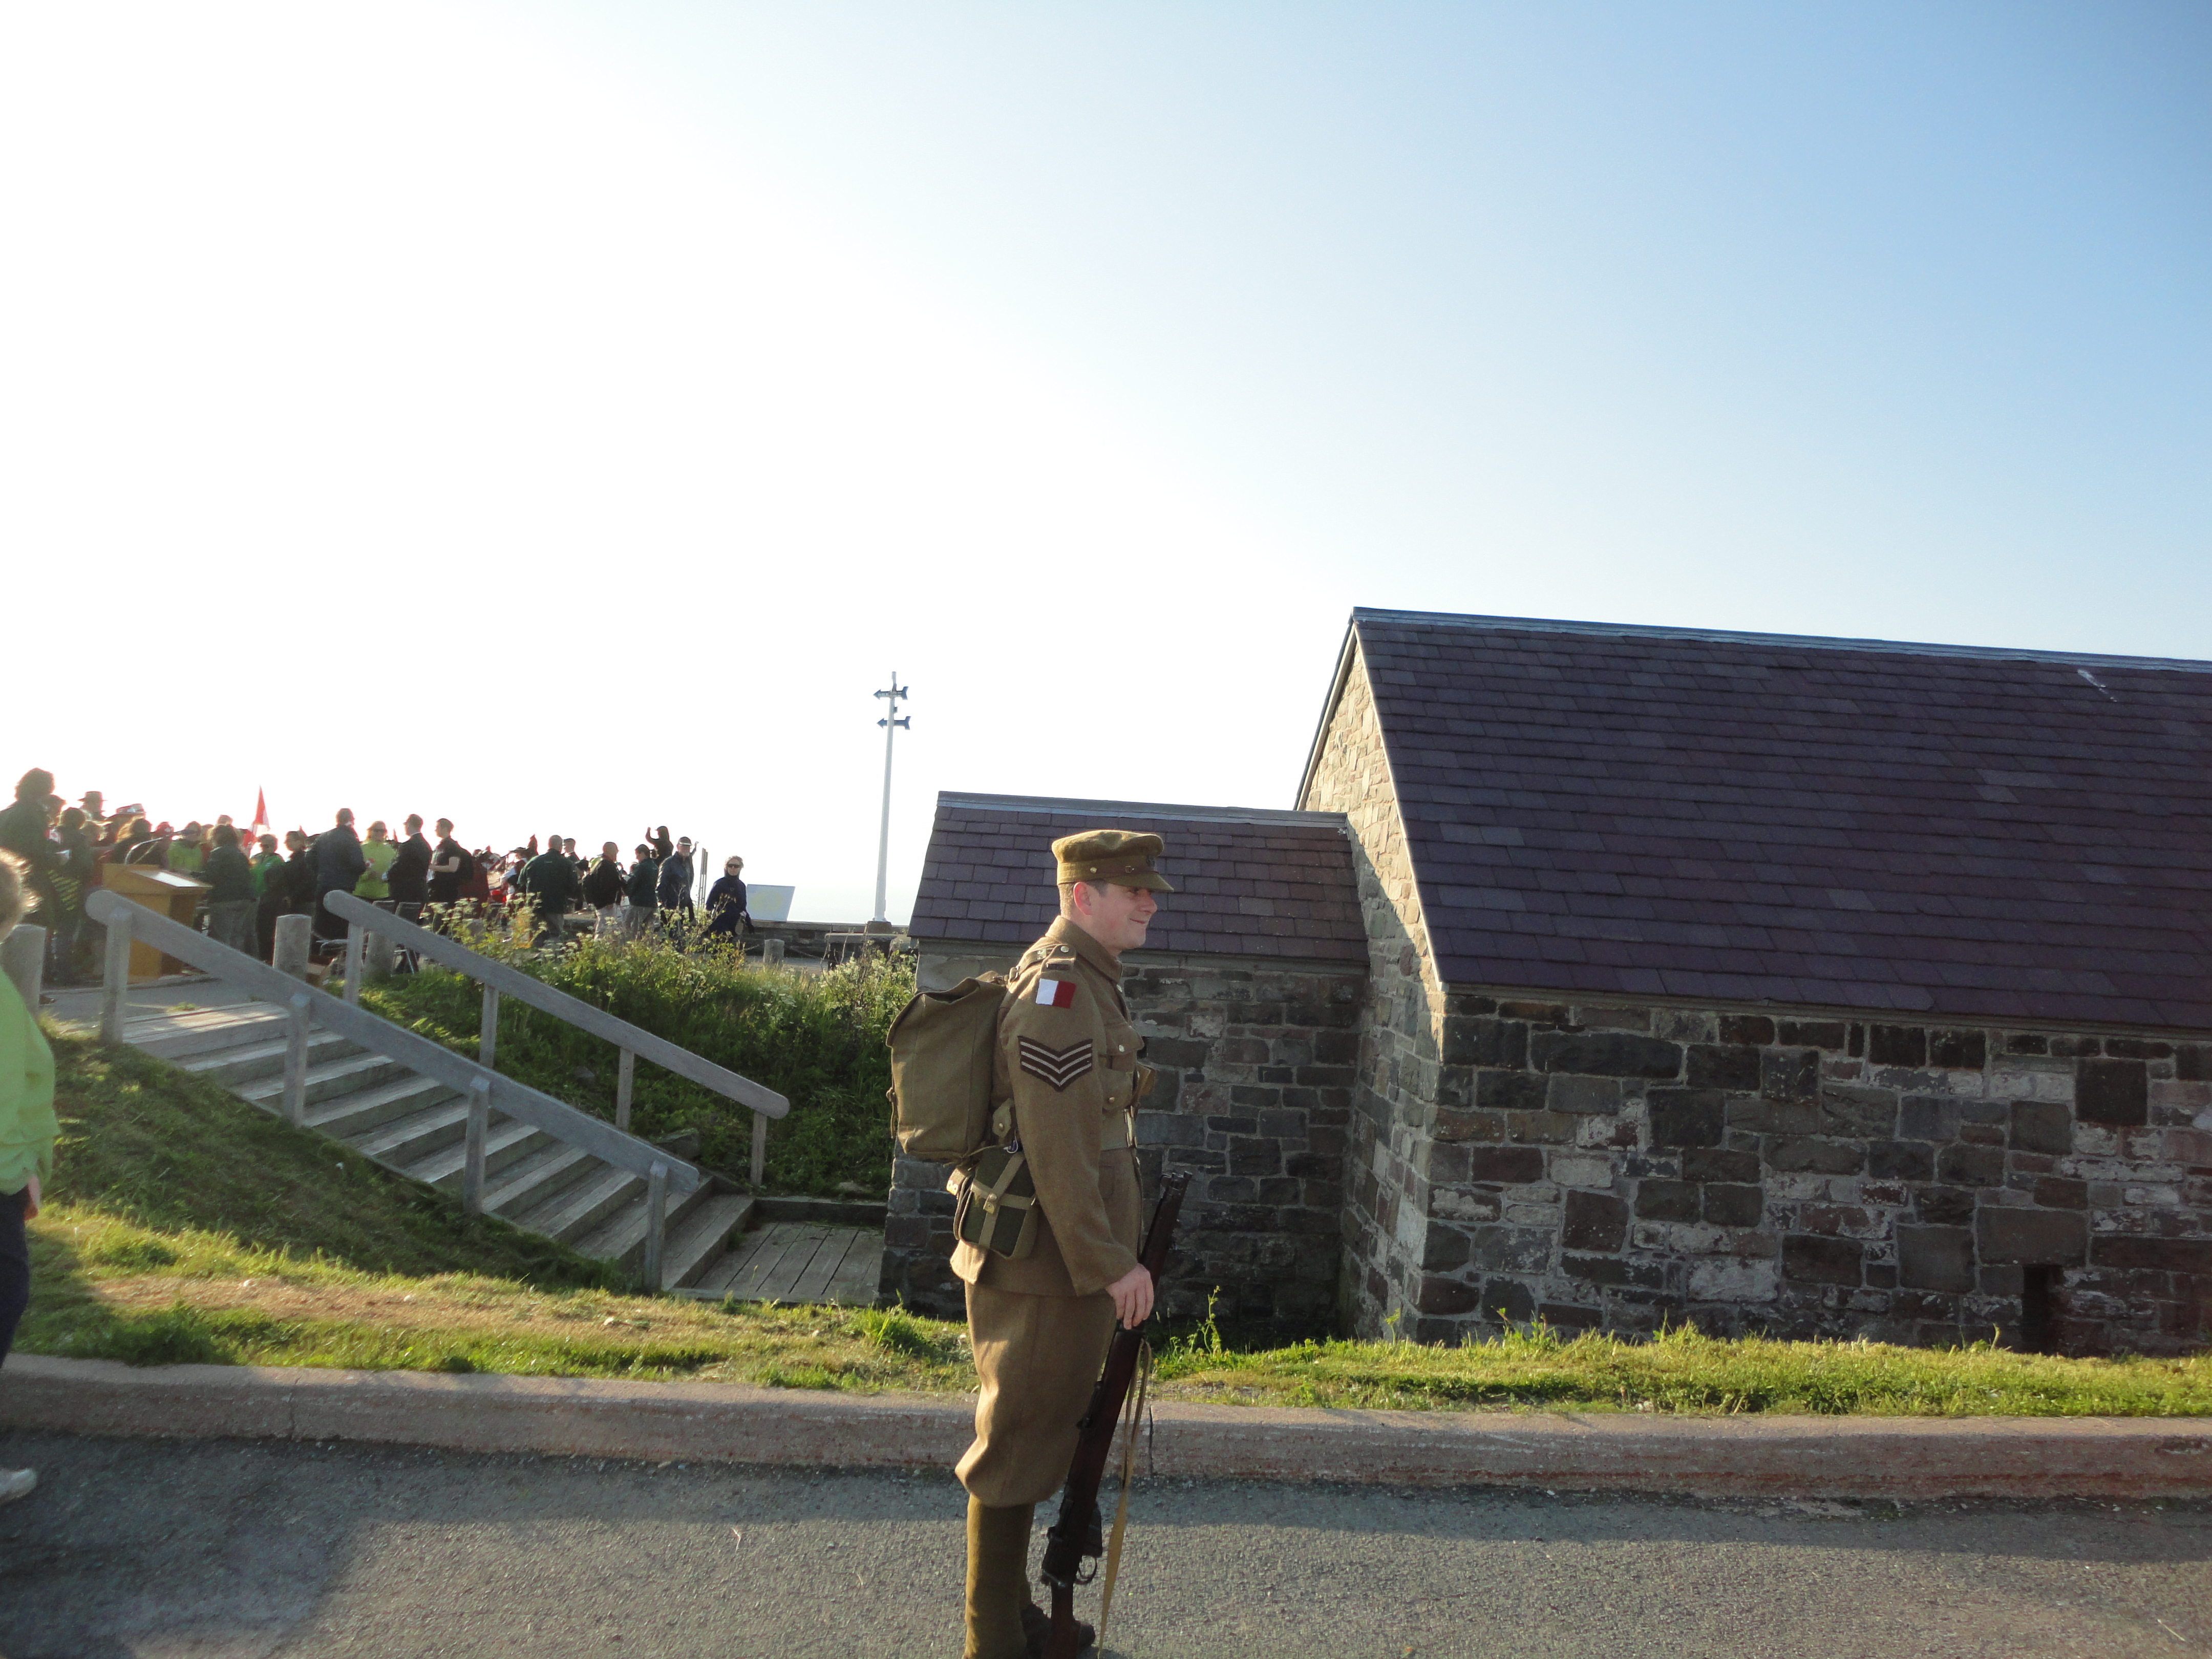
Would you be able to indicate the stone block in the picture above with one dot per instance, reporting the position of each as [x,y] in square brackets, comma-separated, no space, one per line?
[2057,1192]
[1810,1259]
[1481,1040]
[1445,1248]
[2042,1125]
[1509,1300]
[1440,1294]
[2031,1236]
[1594,1221]
[1541,1128]
[1592,1171]
[2112,1091]
[1971,1166]
[1897,1045]
[1176,1051]
[1724,1280]
[1849,1110]
[1966,1050]
[1518,1091]
[2192,1062]
[1570,1093]
[1469,1126]
[1813,1155]
[2172,1256]
[1714,1163]
[1605,1053]
[1734,1207]
[1813,1033]
[1789,1074]
[1667,1200]
[2137,1048]
[1612,1270]
[1686,1117]
[1900,1160]
[1752,1030]
[1513,1249]
[1506,1165]
[1721,1065]
[1928,1117]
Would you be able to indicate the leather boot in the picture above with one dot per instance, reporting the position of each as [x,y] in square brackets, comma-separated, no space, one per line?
[998,1580]
[1037,1625]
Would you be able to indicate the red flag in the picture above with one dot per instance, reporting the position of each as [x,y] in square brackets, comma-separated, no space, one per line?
[260,815]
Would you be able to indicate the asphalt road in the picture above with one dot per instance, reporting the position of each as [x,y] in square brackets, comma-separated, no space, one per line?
[227,1549]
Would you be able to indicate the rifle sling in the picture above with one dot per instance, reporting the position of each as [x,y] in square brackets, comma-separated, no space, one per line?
[1130,1418]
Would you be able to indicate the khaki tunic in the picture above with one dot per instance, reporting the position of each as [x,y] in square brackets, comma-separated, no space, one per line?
[1040,1325]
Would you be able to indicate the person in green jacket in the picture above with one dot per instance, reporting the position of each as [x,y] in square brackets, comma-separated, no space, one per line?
[381,852]
[27,1132]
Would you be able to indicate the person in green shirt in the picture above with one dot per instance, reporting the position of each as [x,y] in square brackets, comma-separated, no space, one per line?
[381,852]
[186,853]
[28,1131]
[267,859]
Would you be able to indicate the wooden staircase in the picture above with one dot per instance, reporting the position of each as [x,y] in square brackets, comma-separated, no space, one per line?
[416,1127]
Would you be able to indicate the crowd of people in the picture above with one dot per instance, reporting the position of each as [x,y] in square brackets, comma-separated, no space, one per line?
[252,879]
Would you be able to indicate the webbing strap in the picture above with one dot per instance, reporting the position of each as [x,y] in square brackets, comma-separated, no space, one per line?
[1132,1412]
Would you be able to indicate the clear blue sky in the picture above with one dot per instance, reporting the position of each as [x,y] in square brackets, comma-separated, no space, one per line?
[1087,363]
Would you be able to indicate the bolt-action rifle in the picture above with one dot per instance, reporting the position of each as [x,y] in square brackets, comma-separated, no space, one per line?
[1076,1536]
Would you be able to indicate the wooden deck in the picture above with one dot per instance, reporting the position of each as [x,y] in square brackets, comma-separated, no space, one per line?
[788,1261]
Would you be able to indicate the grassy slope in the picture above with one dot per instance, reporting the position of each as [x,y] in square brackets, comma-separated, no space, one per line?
[185,1226]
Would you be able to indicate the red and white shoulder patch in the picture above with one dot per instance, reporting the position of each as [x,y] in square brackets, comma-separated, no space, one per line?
[1055,992]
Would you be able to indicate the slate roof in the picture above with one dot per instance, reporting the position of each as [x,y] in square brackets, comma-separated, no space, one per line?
[2000,834]
[1249,883]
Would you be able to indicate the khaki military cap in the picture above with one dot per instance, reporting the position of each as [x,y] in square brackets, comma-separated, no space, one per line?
[1120,856]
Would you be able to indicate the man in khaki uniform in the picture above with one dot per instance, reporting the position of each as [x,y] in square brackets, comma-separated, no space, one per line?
[1040,1325]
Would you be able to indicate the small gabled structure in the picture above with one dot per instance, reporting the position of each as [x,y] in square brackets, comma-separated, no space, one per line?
[1249,994]
[1796,984]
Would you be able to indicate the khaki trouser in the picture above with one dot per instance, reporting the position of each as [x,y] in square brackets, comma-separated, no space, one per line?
[1037,1357]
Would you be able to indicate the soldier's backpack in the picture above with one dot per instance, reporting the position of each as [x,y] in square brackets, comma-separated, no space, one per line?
[944,1046]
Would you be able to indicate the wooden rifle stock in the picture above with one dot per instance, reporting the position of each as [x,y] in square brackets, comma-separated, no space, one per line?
[1075,1535]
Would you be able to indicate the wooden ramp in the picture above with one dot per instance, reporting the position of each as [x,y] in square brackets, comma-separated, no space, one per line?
[795,1262]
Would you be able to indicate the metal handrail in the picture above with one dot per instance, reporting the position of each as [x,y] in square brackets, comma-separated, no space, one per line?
[363,920]
[485,1089]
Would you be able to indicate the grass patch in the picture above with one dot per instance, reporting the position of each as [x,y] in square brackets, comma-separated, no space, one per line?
[185,1226]
[817,1039]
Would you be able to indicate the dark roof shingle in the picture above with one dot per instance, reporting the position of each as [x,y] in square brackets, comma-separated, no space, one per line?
[1249,883]
[1951,832]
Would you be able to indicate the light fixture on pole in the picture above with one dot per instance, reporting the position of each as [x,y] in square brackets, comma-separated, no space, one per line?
[891,723]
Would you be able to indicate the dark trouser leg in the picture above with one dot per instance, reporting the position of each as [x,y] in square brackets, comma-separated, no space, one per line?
[998,1580]
[14,1266]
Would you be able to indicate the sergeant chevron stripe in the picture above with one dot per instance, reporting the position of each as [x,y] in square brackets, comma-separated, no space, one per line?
[1057,1066]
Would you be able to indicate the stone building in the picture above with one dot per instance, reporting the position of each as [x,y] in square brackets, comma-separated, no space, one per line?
[1796,984]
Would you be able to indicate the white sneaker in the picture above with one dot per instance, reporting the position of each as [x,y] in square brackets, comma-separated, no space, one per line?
[16,1483]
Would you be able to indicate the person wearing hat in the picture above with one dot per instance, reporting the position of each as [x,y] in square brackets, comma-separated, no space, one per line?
[1068,1083]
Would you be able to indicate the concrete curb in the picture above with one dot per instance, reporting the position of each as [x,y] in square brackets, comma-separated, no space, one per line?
[1772,1457]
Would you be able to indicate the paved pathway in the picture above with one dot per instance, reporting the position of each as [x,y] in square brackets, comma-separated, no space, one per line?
[223,1550]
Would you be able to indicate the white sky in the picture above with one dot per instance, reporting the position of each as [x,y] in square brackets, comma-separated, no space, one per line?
[562,417]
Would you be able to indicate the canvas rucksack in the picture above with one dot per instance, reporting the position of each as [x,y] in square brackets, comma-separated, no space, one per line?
[944,1048]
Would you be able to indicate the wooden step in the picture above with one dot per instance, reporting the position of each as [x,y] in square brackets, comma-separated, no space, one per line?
[506,1142]
[351,1117]
[532,1181]
[327,1081]
[793,1261]
[263,1057]
[699,1226]
[572,1214]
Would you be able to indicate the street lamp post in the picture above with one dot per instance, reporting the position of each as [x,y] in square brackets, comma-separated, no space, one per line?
[891,721]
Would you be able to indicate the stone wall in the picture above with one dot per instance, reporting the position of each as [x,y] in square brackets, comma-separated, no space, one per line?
[1625,1166]
[1384,1225]
[1258,1064]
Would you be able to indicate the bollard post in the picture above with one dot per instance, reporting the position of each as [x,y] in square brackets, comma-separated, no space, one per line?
[382,955]
[356,944]
[772,953]
[295,944]
[656,1224]
[299,1016]
[23,959]
[472,1166]
[488,1032]
[625,1074]
[759,1149]
[115,984]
